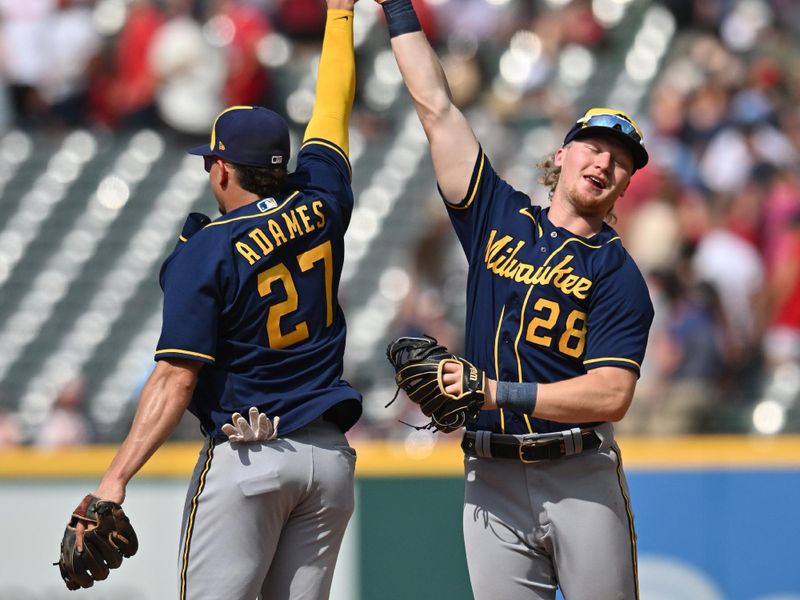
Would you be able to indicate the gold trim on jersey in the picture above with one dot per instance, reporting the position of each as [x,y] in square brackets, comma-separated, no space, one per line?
[466,204]
[580,241]
[616,358]
[528,423]
[327,144]
[516,348]
[631,529]
[183,239]
[332,146]
[497,362]
[527,213]
[519,333]
[269,212]
[201,484]
[497,343]
[187,352]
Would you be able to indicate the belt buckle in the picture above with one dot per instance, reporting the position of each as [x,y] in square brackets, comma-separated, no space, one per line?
[533,442]
[527,443]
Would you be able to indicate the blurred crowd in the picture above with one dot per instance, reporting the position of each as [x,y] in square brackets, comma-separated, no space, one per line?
[127,64]
[713,221]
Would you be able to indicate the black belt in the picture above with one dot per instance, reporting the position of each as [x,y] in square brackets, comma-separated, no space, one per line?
[530,448]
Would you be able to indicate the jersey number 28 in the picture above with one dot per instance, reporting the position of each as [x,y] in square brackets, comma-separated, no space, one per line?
[571,342]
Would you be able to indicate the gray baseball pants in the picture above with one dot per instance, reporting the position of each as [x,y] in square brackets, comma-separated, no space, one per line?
[266,519]
[530,528]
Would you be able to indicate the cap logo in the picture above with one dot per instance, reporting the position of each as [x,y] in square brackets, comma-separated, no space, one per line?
[221,146]
[214,125]
[276,160]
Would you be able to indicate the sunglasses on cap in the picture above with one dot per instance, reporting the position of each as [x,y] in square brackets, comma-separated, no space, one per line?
[616,125]
[617,122]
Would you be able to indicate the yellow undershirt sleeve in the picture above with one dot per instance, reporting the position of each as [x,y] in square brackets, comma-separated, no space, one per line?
[336,82]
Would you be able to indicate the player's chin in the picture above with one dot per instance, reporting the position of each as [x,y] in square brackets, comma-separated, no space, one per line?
[588,205]
[590,195]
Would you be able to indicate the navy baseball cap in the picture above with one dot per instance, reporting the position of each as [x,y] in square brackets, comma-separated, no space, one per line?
[614,123]
[248,135]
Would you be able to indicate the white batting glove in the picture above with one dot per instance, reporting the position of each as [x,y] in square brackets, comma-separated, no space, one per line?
[259,429]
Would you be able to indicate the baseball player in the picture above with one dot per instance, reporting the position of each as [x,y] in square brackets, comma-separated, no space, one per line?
[558,317]
[252,326]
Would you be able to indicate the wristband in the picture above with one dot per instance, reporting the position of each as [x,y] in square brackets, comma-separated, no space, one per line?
[400,17]
[520,397]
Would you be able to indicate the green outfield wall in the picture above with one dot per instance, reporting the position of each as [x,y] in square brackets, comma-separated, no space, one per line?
[699,503]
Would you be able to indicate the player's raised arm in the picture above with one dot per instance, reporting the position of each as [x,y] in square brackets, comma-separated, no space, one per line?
[454,148]
[336,81]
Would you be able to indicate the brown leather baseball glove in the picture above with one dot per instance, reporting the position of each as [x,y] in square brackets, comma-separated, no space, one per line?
[107,539]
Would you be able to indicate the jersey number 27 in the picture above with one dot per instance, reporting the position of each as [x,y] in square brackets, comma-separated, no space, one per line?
[306,260]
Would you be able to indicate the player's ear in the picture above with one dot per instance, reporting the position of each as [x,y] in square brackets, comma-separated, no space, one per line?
[225,174]
[558,157]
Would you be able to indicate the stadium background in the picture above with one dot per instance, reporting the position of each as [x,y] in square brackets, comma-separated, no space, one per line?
[101,98]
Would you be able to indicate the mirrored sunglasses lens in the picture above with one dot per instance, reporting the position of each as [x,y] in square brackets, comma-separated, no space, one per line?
[613,122]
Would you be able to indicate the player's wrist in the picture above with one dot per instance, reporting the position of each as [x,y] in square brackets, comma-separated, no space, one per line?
[400,17]
[519,397]
[489,394]
[111,489]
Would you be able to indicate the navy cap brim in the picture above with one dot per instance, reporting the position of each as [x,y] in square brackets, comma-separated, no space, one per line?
[640,156]
[203,150]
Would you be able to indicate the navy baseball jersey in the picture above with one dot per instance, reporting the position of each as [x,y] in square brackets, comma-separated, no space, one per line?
[253,295]
[552,304]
